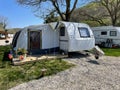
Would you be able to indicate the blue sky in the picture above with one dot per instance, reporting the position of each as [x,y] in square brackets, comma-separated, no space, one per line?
[18,16]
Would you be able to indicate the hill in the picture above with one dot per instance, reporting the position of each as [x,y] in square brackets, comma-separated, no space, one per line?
[93,14]
[13,30]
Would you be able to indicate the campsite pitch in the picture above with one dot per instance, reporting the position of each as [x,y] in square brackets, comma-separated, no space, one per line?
[88,74]
[13,75]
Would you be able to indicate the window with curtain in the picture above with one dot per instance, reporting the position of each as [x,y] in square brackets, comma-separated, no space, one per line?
[84,32]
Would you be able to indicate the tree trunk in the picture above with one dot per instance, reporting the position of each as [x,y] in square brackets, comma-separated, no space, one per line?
[114,22]
[67,17]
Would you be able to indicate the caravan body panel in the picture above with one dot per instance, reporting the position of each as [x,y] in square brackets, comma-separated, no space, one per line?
[104,33]
[74,41]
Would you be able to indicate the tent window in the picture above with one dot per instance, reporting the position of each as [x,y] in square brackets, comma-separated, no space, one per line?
[104,33]
[14,42]
[113,33]
[84,32]
[62,31]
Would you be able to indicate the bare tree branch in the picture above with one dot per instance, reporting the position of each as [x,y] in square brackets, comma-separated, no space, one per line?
[113,7]
[64,8]
[56,5]
[74,6]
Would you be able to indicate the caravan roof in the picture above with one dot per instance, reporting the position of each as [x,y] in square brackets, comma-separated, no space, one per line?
[106,28]
[55,25]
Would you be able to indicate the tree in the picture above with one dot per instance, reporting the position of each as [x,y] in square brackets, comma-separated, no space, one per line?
[64,8]
[104,12]
[51,17]
[93,13]
[3,22]
[113,9]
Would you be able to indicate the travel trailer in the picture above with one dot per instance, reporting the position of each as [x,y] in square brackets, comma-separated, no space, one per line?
[52,37]
[107,36]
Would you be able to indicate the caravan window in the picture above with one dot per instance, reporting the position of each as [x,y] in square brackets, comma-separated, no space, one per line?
[113,33]
[62,31]
[104,33]
[84,32]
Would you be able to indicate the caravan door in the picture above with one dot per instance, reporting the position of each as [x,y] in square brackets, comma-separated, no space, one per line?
[63,39]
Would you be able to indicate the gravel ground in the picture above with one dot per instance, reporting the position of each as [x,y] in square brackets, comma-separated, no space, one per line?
[88,74]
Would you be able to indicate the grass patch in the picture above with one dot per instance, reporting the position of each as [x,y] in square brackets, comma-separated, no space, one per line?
[111,51]
[13,75]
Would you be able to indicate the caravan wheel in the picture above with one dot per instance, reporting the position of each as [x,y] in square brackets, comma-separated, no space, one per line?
[96,57]
[69,54]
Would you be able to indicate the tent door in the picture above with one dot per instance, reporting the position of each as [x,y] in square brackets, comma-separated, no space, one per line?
[35,40]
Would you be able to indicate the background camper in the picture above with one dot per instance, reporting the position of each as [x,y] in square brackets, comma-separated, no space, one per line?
[46,38]
[107,36]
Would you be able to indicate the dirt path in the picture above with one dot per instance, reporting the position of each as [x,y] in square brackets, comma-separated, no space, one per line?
[88,74]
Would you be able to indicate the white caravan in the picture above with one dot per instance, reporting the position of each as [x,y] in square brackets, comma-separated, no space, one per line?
[51,37]
[107,36]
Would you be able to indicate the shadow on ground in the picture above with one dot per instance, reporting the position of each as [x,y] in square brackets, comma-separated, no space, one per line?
[5,60]
[93,62]
[78,55]
[5,57]
[83,55]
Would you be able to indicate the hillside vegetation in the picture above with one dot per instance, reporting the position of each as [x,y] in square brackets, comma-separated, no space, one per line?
[13,30]
[92,14]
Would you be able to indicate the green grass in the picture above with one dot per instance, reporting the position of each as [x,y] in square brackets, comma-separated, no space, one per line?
[13,75]
[111,51]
